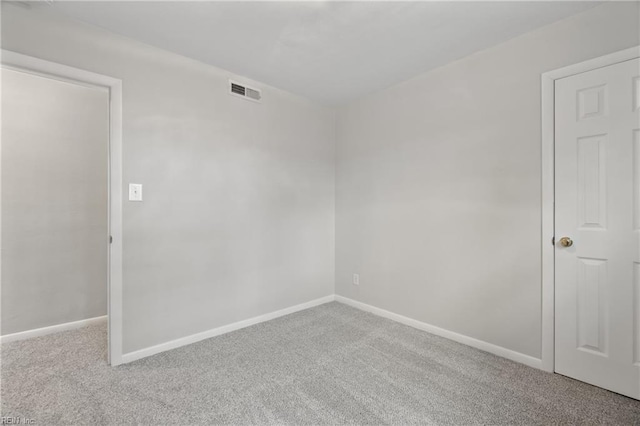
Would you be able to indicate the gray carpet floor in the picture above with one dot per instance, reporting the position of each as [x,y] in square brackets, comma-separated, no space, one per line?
[328,365]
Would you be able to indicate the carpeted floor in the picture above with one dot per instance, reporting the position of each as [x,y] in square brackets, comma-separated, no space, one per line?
[328,365]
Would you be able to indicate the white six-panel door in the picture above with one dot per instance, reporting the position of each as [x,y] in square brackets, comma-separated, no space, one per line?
[597,199]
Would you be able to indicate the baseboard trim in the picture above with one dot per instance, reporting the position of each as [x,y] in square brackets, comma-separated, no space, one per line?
[183,341]
[173,344]
[37,332]
[460,338]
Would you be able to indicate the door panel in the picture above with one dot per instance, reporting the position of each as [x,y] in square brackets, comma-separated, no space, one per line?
[597,308]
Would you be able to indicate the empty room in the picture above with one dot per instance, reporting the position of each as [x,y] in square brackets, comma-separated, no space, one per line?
[320,212]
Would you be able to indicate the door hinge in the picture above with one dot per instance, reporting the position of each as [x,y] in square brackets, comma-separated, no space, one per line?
[110,239]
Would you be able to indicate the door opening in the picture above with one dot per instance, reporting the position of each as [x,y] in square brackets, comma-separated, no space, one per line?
[61,200]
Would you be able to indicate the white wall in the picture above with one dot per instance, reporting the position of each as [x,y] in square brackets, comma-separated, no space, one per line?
[438,184]
[55,144]
[238,211]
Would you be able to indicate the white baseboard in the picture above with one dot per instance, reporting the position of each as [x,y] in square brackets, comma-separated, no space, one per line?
[51,329]
[142,353]
[183,341]
[460,338]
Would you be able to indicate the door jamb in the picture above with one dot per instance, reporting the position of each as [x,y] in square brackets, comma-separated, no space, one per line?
[17,61]
[548,190]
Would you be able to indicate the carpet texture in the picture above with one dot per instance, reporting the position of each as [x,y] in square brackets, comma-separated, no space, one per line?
[327,365]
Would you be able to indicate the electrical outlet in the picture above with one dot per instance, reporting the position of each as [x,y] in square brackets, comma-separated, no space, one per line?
[356,279]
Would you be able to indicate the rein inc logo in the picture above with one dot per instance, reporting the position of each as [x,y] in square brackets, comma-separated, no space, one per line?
[16,421]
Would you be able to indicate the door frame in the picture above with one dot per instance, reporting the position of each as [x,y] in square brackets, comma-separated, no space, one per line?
[29,64]
[548,189]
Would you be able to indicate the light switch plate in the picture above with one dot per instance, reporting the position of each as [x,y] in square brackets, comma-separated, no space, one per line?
[135,192]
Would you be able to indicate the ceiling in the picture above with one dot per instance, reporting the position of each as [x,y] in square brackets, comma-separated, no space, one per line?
[330,52]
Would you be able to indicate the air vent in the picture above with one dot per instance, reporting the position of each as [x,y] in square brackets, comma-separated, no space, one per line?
[245,92]
[237,89]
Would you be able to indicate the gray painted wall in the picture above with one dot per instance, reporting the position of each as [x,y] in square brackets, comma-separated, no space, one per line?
[238,217]
[55,138]
[238,211]
[438,184]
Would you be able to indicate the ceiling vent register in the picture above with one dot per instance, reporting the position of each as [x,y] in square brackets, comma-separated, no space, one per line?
[244,91]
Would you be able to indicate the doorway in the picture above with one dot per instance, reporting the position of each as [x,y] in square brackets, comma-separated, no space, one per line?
[592,260]
[61,194]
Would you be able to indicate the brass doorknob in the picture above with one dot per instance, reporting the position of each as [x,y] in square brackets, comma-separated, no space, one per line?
[566,242]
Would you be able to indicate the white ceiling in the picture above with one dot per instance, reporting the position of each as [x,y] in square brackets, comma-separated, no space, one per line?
[330,52]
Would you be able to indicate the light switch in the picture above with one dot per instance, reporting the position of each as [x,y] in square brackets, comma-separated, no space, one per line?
[135,192]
